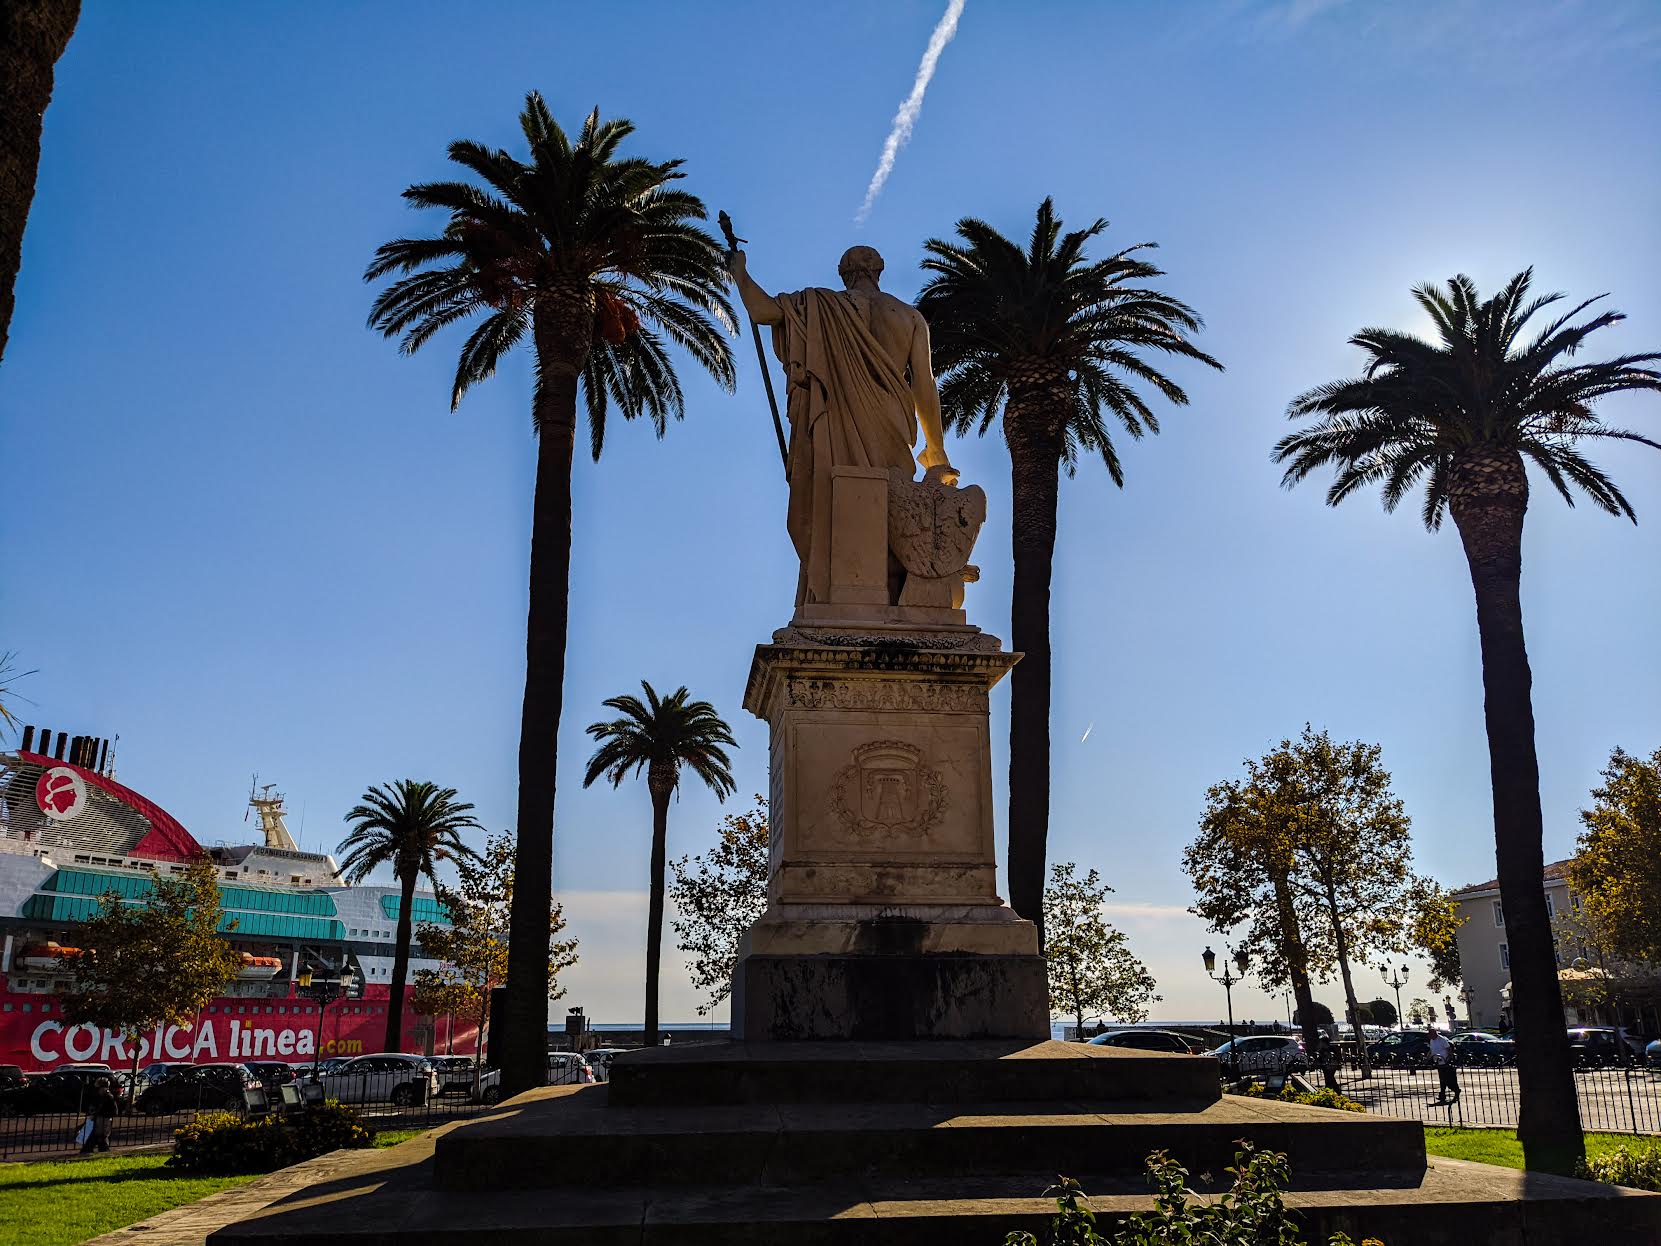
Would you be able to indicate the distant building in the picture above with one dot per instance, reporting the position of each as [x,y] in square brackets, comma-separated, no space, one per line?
[1594,993]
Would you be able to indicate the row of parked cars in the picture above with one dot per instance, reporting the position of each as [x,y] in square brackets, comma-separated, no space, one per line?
[397,1078]
[1284,1053]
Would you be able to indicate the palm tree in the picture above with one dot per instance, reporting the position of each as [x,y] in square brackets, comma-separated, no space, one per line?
[584,252]
[1460,415]
[1055,341]
[33,35]
[660,736]
[410,825]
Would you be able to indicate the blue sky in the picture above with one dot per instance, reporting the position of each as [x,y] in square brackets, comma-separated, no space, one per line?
[247,535]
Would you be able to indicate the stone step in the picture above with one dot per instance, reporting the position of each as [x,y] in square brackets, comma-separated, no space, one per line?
[386,1198]
[957,1071]
[568,1136]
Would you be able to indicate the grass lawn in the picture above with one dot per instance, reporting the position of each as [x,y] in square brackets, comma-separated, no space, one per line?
[1500,1146]
[62,1202]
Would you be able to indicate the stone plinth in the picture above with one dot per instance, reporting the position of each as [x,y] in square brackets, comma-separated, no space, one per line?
[883,917]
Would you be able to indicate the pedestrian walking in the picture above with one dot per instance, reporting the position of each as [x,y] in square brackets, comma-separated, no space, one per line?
[101,1110]
[1447,1075]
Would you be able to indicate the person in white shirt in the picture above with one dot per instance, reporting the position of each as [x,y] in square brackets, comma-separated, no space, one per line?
[1441,1051]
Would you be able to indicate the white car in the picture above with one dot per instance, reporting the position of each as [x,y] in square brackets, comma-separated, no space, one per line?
[1263,1053]
[390,1077]
[565,1068]
[600,1061]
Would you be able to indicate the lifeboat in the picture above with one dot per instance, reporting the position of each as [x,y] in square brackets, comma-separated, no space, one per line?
[43,955]
[259,968]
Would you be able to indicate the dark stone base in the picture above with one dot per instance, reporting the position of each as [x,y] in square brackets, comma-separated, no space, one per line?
[890,997]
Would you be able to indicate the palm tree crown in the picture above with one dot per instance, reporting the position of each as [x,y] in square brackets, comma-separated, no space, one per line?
[1048,328]
[1438,412]
[410,825]
[580,247]
[660,735]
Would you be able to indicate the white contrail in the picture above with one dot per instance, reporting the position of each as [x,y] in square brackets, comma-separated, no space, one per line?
[1087,731]
[906,118]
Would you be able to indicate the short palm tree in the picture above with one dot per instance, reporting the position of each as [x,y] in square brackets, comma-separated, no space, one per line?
[1460,415]
[595,260]
[410,825]
[1057,343]
[659,736]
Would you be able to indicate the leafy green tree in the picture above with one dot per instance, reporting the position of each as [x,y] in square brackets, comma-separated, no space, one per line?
[410,825]
[1091,968]
[717,896]
[1318,1014]
[473,948]
[1461,415]
[1241,865]
[659,736]
[1058,344]
[596,260]
[1616,869]
[33,35]
[159,962]
[1382,1010]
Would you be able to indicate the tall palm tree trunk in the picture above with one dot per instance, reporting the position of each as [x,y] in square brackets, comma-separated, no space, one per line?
[1035,466]
[524,1036]
[33,35]
[400,964]
[660,781]
[1488,500]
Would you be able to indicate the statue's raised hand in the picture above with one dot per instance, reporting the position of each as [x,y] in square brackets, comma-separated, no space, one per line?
[736,264]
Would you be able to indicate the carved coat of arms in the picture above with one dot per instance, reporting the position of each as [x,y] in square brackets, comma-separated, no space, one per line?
[888,787]
[932,527]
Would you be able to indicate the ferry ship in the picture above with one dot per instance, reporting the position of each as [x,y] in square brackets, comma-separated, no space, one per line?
[69,833]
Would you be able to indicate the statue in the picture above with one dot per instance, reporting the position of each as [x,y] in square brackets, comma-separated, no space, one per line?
[859,382]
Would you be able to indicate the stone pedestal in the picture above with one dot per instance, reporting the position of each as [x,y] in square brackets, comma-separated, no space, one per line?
[883,918]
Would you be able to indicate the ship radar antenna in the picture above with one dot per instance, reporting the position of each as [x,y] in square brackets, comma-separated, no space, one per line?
[266,801]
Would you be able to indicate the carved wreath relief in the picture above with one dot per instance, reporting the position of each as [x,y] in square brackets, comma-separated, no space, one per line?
[888,788]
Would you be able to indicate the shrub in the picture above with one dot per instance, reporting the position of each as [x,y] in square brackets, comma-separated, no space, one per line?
[1250,1214]
[224,1144]
[1325,1097]
[1634,1164]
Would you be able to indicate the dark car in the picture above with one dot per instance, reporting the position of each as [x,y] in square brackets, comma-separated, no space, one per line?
[11,1077]
[200,1086]
[1597,1044]
[1404,1047]
[273,1074]
[64,1090]
[1148,1040]
[1477,1047]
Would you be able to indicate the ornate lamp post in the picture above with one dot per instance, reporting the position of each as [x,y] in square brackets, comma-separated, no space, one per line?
[1241,960]
[324,991]
[1397,981]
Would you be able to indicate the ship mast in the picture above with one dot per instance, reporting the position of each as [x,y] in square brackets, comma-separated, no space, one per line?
[268,803]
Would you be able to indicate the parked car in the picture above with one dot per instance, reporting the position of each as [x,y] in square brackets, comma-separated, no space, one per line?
[1404,1047]
[565,1068]
[390,1077]
[11,1076]
[1149,1040]
[1263,1053]
[600,1061]
[198,1087]
[1478,1047]
[273,1074]
[455,1074]
[1599,1044]
[63,1090]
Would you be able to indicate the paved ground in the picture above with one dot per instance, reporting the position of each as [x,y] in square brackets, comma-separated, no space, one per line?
[1610,1099]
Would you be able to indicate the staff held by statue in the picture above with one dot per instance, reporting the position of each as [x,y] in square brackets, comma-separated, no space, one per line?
[761,355]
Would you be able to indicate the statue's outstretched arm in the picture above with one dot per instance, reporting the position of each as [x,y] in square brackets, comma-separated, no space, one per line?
[762,306]
[926,394]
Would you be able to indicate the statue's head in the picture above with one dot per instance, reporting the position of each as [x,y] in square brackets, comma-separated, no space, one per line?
[859,262]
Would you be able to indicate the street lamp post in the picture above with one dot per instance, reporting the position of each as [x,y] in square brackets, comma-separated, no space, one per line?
[1397,981]
[324,991]
[1241,960]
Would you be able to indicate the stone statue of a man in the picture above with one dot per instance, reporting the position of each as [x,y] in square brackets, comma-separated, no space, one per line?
[858,382]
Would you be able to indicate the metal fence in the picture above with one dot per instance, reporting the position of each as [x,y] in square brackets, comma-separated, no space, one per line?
[1614,1097]
[46,1134]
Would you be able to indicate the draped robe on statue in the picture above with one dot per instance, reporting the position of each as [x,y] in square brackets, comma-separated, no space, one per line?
[850,405]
